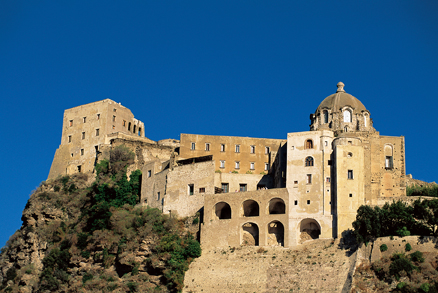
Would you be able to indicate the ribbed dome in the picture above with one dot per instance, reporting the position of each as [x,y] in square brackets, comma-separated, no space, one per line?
[341,99]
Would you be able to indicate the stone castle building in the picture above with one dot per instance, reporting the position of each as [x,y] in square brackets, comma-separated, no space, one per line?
[250,191]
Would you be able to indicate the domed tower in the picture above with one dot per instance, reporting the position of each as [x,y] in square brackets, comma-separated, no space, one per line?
[341,112]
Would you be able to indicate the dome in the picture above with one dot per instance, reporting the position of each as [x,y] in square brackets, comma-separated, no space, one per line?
[339,100]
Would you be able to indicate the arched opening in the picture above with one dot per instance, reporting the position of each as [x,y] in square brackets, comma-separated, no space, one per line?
[129,126]
[388,150]
[325,116]
[347,116]
[251,208]
[277,206]
[365,120]
[309,144]
[345,129]
[309,162]
[309,229]
[222,210]
[275,233]
[250,234]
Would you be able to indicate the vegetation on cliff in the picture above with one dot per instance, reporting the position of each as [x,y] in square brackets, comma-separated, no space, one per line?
[85,236]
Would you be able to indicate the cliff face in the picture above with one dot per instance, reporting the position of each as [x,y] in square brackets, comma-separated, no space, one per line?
[83,235]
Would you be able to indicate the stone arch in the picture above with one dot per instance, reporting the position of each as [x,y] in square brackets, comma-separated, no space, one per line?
[277,206]
[250,208]
[388,149]
[309,229]
[275,233]
[249,234]
[222,210]
[308,144]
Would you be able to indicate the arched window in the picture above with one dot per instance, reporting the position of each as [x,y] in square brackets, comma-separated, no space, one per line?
[277,206]
[347,116]
[309,162]
[223,210]
[365,120]
[309,144]
[250,234]
[345,129]
[275,233]
[251,208]
[325,116]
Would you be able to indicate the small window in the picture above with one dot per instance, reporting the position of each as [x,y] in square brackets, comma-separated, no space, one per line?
[237,165]
[242,187]
[84,119]
[309,179]
[82,152]
[292,147]
[350,174]
[325,114]
[345,129]
[69,138]
[83,135]
[114,127]
[349,155]
[296,202]
[114,118]
[251,166]
[267,150]
[193,146]
[222,147]
[266,166]
[347,116]
[135,126]
[351,195]
[149,173]
[252,149]
[96,148]
[97,132]
[327,179]
[309,162]
[309,144]
[237,148]
[295,182]
[191,188]
[207,147]
[129,126]
[114,110]
[222,164]
[158,195]
[98,116]
[202,190]
[79,168]
[329,162]
[326,143]
[139,131]
[225,187]
[70,123]
[308,201]
[124,123]
[71,155]
[388,162]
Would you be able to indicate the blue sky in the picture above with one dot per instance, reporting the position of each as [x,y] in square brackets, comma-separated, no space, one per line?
[243,68]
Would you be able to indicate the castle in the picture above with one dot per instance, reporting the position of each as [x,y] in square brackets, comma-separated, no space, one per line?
[250,191]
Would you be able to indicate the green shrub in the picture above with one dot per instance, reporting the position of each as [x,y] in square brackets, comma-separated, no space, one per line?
[403,232]
[417,256]
[56,188]
[195,221]
[400,263]
[408,247]
[133,286]
[86,277]
[401,285]
[85,253]
[383,247]
[424,288]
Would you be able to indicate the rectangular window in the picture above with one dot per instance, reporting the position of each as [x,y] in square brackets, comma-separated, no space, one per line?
[114,118]
[124,123]
[83,135]
[149,173]
[82,152]
[267,149]
[327,179]
[84,119]
[114,127]
[388,162]
[222,147]
[295,182]
[193,146]
[296,202]
[251,165]
[191,188]
[79,168]
[98,116]
[350,174]
[207,147]
[225,187]
[292,147]
[69,138]
[96,148]
[308,201]
[70,123]
[351,195]
[266,166]
[329,162]
[202,190]
[158,195]
[222,164]
[237,165]
[242,187]
[252,149]
[326,143]
[114,110]
[237,148]
[309,179]
[97,132]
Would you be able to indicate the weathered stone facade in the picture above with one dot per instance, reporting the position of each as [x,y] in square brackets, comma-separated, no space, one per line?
[251,191]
